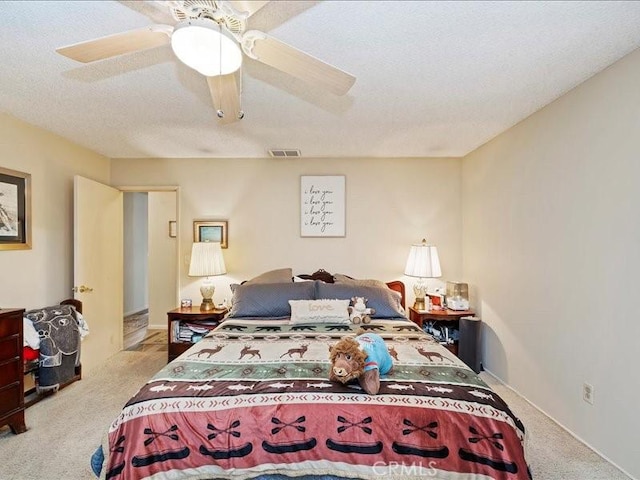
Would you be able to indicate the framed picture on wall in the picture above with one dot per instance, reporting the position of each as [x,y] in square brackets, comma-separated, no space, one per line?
[322,206]
[15,210]
[210,231]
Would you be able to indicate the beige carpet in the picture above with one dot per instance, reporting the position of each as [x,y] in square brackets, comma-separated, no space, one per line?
[553,453]
[154,341]
[65,429]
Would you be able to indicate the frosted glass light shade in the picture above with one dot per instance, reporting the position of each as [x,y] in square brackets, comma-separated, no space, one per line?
[206,47]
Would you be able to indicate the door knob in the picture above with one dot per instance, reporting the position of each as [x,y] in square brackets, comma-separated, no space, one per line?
[82,289]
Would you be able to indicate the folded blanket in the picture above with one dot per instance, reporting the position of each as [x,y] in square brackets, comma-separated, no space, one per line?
[59,332]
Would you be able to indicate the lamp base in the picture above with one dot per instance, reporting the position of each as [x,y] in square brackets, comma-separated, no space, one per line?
[206,290]
[207,305]
[419,304]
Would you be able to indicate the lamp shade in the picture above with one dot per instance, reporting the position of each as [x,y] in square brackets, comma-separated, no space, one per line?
[423,261]
[206,47]
[206,260]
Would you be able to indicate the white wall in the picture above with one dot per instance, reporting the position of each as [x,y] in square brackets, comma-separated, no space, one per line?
[136,234]
[551,237]
[391,203]
[43,275]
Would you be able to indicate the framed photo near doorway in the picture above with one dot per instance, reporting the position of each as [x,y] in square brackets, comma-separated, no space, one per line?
[210,231]
[15,210]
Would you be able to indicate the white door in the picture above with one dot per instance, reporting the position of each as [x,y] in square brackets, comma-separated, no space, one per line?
[98,268]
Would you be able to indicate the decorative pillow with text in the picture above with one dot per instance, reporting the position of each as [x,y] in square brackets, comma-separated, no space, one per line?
[319,311]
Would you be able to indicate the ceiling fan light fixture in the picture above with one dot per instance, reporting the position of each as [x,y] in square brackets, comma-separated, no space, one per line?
[206,47]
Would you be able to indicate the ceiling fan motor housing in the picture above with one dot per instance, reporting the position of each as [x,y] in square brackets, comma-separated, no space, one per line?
[220,12]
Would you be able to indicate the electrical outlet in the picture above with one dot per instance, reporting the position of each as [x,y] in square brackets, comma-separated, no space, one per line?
[587,393]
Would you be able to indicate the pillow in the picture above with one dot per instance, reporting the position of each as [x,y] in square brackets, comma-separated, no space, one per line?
[268,299]
[340,278]
[281,275]
[385,301]
[30,337]
[319,311]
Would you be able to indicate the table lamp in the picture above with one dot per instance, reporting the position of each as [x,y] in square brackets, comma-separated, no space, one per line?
[206,261]
[423,262]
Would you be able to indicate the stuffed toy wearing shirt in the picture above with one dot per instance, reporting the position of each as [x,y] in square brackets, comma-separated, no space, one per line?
[364,358]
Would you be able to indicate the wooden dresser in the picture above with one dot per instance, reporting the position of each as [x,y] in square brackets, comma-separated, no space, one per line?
[11,370]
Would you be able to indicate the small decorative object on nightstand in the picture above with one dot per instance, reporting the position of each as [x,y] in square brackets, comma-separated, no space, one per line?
[457,296]
[178,321]
[468,331]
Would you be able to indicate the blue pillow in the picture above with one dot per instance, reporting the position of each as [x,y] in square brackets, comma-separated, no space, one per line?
[385,301]
[268,299]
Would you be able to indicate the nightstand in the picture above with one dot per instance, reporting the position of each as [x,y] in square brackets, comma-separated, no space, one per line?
[188,315]
[468,346]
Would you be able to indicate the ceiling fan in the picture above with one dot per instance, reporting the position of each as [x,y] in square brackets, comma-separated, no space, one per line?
[210,36]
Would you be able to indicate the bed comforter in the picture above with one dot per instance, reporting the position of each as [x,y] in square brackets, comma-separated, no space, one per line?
[252,399]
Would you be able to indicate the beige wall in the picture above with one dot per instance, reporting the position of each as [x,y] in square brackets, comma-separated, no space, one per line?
[162,254]
[551,237]
[44,275]
[390,204]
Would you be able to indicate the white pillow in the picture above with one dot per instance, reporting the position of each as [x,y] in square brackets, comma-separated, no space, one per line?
[30,337]
[319,311]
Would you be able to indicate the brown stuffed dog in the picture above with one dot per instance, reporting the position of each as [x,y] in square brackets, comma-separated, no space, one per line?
[364,358]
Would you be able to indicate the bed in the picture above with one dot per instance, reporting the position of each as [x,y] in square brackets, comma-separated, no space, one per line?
[253,400]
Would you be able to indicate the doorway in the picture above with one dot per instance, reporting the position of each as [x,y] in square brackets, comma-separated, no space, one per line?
[150,281]
[136,275]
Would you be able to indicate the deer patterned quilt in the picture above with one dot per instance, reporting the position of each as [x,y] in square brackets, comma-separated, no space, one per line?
[253,400]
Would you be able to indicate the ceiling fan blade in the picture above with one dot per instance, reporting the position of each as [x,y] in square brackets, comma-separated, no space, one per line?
[268,50]
[248,6]
[118,44]
[225,95]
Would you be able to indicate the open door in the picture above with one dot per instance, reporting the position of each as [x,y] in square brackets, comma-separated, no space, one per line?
[98,267]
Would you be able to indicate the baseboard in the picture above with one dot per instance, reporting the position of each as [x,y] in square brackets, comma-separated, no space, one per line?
[136,312]
[498,379]
[157,327]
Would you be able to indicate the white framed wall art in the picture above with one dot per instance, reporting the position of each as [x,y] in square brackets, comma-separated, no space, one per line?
[322,206]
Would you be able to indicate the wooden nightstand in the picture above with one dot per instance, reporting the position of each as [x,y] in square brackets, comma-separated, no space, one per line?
[419,316]
[191,315]
[468,346]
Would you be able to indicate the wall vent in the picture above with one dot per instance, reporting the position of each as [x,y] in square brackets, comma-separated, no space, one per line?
[282,153]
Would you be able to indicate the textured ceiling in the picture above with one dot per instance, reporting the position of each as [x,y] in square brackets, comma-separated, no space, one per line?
[433,78]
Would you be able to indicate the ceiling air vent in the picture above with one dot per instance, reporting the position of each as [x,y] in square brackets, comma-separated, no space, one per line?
[282,153]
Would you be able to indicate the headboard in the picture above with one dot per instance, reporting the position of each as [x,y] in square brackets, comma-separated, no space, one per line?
[323,275]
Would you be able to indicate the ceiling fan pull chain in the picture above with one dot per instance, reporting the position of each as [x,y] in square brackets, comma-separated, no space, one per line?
[220,111]
[240,111]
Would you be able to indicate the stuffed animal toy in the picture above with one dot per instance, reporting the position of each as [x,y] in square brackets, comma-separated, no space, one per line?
[359,312]
[364,358]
